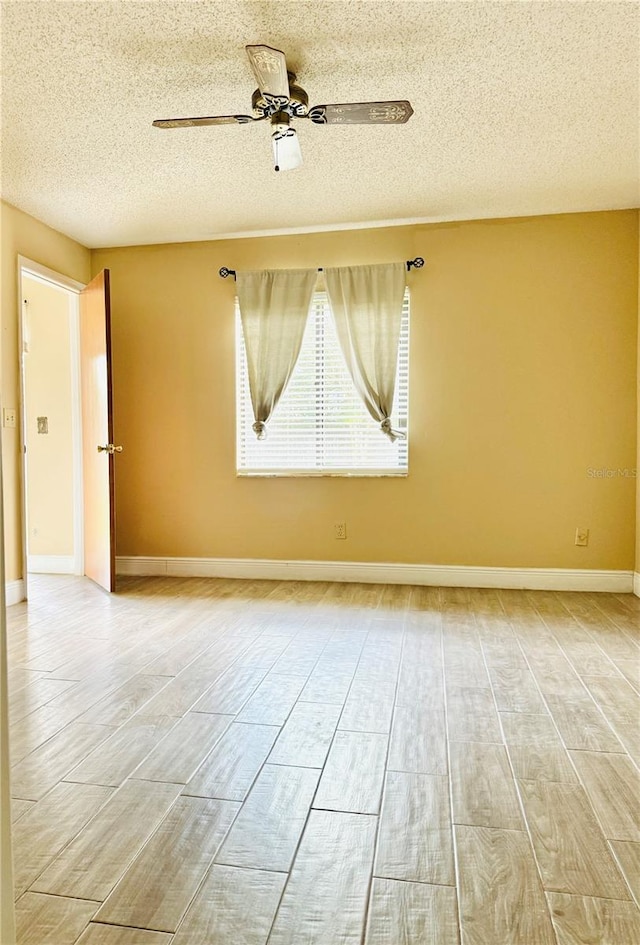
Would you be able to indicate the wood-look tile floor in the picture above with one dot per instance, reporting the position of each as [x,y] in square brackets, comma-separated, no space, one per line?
[210,762]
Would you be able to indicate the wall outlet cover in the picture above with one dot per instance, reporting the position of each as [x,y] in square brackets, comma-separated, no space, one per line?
[8,416]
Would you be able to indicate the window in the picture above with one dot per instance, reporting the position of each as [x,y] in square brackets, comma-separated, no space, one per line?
[320,426]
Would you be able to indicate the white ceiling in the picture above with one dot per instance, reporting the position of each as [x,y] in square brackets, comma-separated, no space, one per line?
[520,108]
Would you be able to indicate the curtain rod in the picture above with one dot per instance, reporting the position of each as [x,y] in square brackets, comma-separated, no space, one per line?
[416,263]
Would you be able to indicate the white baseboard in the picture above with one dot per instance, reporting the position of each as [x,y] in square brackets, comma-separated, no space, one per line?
[636,583]
[547,579]
[50,564]
[14,592]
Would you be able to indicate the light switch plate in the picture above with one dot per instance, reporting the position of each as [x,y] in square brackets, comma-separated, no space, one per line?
[582,537]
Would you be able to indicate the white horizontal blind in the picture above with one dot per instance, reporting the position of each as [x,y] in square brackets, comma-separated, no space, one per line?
[320,426]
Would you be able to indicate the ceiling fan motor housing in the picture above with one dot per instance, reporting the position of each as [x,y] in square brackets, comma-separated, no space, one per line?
[296,105]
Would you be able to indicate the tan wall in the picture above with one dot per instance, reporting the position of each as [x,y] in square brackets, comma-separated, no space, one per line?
[21,234]
[523,375]
[47,370]
[638,440]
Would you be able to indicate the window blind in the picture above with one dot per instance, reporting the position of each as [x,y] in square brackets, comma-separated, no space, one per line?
[320,426]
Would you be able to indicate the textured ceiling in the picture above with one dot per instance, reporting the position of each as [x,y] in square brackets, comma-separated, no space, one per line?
[520,108]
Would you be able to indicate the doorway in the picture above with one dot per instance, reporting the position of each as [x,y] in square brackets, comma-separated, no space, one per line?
[51,421]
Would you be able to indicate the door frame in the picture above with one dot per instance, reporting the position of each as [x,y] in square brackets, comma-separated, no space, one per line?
[35,270]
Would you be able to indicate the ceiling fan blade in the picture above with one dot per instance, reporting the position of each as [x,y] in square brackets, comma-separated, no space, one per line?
[362,113]
[270,69]
[212,120]
[286,150]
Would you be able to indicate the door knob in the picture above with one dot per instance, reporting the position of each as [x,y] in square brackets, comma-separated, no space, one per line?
[110,448]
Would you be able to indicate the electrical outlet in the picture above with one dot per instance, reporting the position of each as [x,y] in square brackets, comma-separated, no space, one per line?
[8,417]
[340,530]
[582,537]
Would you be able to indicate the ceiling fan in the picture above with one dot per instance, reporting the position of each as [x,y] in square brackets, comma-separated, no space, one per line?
[280,100]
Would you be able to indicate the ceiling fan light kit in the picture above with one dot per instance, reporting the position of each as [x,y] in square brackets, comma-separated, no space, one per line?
[280,100]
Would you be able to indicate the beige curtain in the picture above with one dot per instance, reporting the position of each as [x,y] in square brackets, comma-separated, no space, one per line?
[366,302]
[274,305]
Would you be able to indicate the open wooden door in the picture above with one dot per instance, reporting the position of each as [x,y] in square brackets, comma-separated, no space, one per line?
[98,448]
